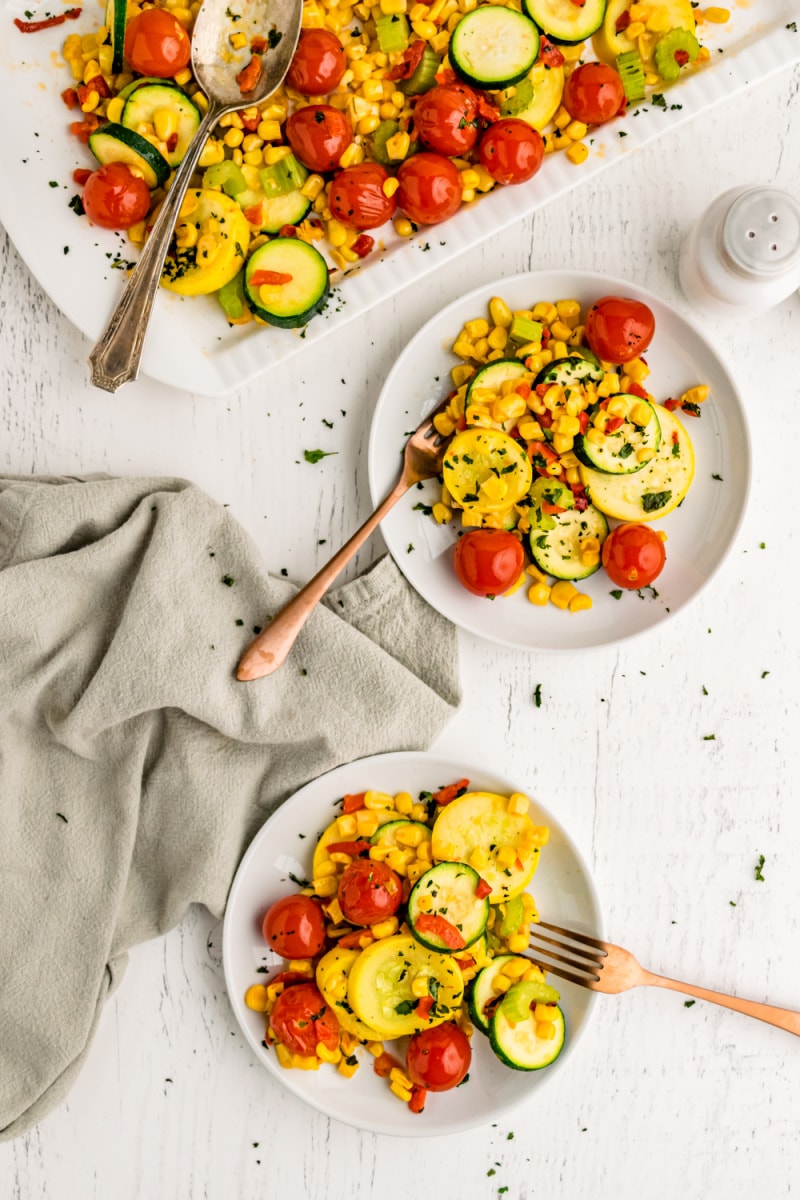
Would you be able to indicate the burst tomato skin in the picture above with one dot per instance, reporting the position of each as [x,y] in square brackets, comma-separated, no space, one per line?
[301,1019]
[511,151]
[157,44]
[438,1058]
[430,188]
[115,198]
[594,94]
[619,329]
[318,64]
[446,118]
[319,134]
[369,892]
[633,556]
[295,927]
[488,561]
[357,197]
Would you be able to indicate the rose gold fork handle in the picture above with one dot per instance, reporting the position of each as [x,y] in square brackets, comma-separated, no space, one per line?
[269,650]
[784,1018]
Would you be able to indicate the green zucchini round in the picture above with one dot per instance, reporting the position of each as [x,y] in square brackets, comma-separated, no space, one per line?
[493,47]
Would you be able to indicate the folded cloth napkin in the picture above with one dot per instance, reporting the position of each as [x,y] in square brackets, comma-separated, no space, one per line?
[134,768]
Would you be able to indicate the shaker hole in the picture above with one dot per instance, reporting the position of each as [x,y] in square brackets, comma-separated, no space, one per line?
[773,217]
[751,233]
[773,246]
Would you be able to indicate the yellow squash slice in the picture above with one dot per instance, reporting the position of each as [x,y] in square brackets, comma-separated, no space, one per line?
[219,249]
[333,976]
[381,992]
[660,17]
[478,828]
[486,471]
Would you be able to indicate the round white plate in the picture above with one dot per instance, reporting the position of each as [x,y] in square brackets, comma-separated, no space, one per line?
[564,892]
[699,532]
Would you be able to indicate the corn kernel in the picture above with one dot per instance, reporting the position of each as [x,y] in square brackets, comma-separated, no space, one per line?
[518,803]
[325,885]
[383,929]
[403,802]
[641,414]
[577,153]
[378,800]
[580,603]
[256,998]
[696,395]
[517,943]
[530,430]
[348,1068]
[562,592]
[596,436]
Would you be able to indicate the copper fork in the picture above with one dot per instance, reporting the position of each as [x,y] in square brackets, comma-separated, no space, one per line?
[604,967]
[422,459]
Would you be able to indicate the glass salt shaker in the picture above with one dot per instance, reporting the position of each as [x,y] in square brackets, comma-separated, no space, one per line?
[742,257]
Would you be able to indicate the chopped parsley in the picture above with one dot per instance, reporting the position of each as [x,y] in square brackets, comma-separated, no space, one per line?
[537,695]
[689,1003]
[652,501]
[759,865]
[314,456]
[228,580]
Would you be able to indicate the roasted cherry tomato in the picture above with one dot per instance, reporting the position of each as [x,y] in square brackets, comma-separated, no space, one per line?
[619,329]
[301,1020]
[357,196]
[511,151]
[633,556]
[295,927]
[157,44]
[318,64]
[438,1058]
[488,561]
[115,198]
[369,892]
[430,188]
[446,118]
[594,94]
[319,135]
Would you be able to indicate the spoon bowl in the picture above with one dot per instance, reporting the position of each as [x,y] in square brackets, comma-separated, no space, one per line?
[216,64]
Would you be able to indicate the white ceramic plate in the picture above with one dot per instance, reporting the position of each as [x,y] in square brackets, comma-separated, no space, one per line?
[189,344]
[699,532]
[564,892]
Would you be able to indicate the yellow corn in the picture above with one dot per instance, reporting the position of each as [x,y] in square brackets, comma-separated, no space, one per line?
[383,929]
[595,435]
[618,407]
[500,312]
[346,825]
[641,414]
[508,408]
[403,802]
[518,803]
[563,442]
[717,16]
[367,822]
[114,110]
[398,1076]
[378,800]
[256,998]
[577,153]
[326,868]
[562,592]
[212,152]
[420,813]
[238,41]
[545,311]
[501,982]
[507,856]
[530,430]
[334,912]
[696,395]
[348,1066]
[635,30]
[517,943]
[325,885]
[645,454]
[420,986]
[424,853]
[580,602]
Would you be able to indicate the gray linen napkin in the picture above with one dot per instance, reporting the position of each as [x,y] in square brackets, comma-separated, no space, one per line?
[134,768]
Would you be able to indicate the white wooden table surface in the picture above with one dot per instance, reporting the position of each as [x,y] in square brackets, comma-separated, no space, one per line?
[661,1100]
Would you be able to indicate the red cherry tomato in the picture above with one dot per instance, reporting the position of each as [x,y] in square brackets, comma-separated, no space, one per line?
[430,188]
[594,94]
[438,1058]
[369,891]
[511,151]
[115,198]
[619,329]
[633,556]
[319,135]
[446,118]
[295,927]
[157,44]
[318,64]
[357,197]
[301,1020]
[488,561]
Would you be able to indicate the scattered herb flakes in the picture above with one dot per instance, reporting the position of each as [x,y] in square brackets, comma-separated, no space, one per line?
[709,737]
[762,545]
[622,133]
[425,509]
[284,572]
[793,26]
[62,818]
[328,424]
[689,1003]
[501,1190]
[314,456]
[764,674]
[303,671]
[76,204]
[490,1172]
[228,580]
[509,1137]
[759,865]
[409,547]
[616,593]
[705,690]
[537,695]
[66,249]
[238,621]
[256,629]
[302,883]
[657,100]
[732,903]
[717,477]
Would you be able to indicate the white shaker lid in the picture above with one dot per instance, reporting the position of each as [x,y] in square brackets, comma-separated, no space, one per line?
[761,232]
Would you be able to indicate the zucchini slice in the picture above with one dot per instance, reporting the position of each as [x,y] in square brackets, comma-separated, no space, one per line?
[617,454]
[199,270]
[333,973]
[573,369]
[294,302]
[386,835]
[655,490]
[551,493]
[558,551]
[609,42]
[493,47]
[380,989]
[114,143]
[564,20]
[290,209]
[480,822]
[516,1042]
[483,998]
[548,88]
[145,103]
[116,20]
[485,470]
[447,891]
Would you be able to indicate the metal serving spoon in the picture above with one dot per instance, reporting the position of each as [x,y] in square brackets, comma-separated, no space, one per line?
[115,358]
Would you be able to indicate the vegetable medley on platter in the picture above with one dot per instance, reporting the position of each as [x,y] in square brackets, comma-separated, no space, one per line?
[412,930]
[553,433]
[392,112]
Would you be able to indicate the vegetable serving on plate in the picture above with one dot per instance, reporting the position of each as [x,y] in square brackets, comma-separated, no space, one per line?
[412,930]
[391,111]
[554,435]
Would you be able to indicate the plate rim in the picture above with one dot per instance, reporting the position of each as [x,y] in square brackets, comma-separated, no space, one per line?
[448,763]
[608,284]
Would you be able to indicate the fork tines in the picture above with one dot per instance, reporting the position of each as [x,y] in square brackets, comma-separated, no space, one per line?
[582,954]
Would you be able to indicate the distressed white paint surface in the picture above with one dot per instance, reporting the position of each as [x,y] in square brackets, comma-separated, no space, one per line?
[663,1101]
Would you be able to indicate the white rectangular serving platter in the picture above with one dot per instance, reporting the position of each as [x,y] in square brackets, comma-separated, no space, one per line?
[189,344]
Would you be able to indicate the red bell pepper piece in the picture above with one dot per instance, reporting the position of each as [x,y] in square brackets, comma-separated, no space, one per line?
[484,889]
[85,128]
[258,44]
[259,278]
[80,175]
[418,1097]
[353,802]
[583,419]
[385,1063]
[636,389]
[287,231]
[623,21]
[352,941]
[351,848]
[70,97]
[409,62]
[424,1007]
[549,54]
[613,424]
[249,76]
[47,22]
[446,794]
[441,928]
[363,244]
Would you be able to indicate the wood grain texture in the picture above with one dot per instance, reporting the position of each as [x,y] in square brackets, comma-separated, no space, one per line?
[662,1100]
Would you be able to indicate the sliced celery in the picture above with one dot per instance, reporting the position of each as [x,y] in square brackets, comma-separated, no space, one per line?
[524,330]
[629,66]
[392,30]
[281,177]
[227,176]
[425,75]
